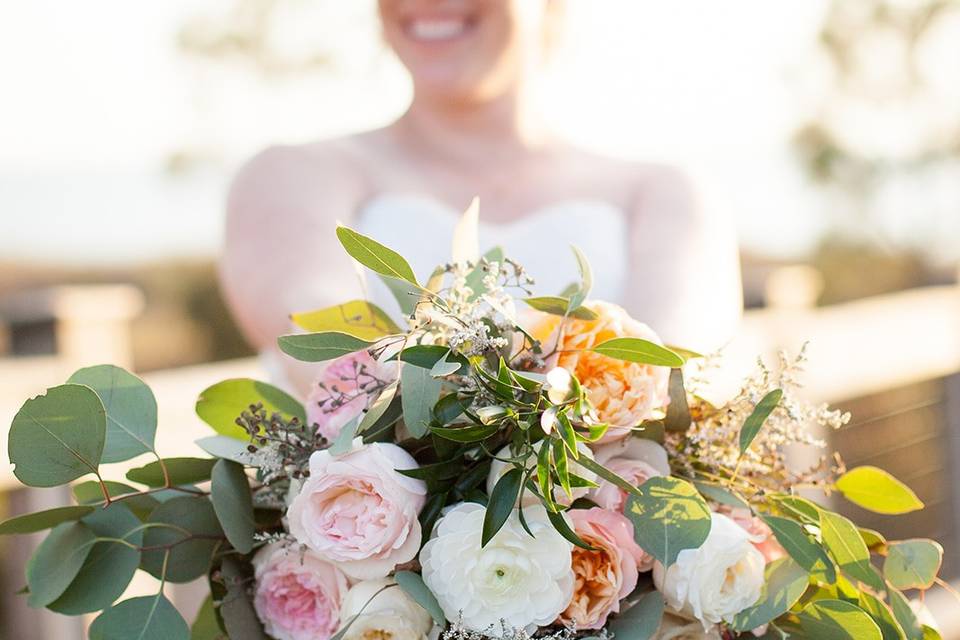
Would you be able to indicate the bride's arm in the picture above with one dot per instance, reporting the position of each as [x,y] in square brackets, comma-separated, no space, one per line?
[684,265]
[281,254]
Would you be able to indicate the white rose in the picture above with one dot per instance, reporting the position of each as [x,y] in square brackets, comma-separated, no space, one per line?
[391,613]
[498,468]
[717,581]
[526,582]
[677,628]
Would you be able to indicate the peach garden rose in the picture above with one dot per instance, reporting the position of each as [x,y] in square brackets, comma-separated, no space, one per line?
[623,393]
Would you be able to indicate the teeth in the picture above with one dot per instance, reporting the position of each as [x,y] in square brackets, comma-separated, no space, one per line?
[437,29]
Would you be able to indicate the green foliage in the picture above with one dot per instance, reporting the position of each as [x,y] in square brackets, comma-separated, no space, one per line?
[173,472]
[668,516]
[837,620]
[719,494]
[31,522]
[844,543]
[641,621]
[784,583]
[188,530]
[806,552]
[227,448]
[640,351]
[205,626]
[57,561]
[754,422]
[678,418]
[877,490]
[144,618]
[375,256]
[318,347]
[131,410]
[503,499]
[419,392]
[233,504]
[239,616]
[579,296]
[912,564]
[560,306]
[413,585]
[358,318]
[220,404]
[428,355]
[58,437]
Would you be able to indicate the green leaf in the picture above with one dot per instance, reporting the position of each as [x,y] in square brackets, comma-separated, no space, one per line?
[144,618]
[239,616]
[404,293]
[419,391]
[799,508]
[561,465]
[567,434]
[189,528]
[379,408]
[358,318]
[131,410]
[181,470]
[678,417]
[467,434]
[228,448]
[784,583]
[878,491]
[882,616]
[837,620]
[344,440]
[638,350]
[558,306]
[233,504]
[641,621]
[58,437]
[109,568]
[754,422]
[544,477]
[57,561]
[720,494]
[375,256]
[807,553]
[586,280]
[414,587]
[90,493]
[437,471]
[503,499]
[905,615]
[427,356]
[318,347]
[31,522]
[220,405]
[912,564]
[205,625]
[475,277]
[844,543]
[563,528]
[668,516]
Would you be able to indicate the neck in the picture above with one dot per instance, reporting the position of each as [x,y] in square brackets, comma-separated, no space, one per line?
[474,131]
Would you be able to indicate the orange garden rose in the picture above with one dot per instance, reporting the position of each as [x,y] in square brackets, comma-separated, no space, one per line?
[623,393]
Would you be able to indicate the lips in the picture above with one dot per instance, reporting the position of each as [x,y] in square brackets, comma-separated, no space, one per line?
[442,29]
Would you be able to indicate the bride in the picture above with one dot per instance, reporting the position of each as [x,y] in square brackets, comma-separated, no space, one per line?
[472,130]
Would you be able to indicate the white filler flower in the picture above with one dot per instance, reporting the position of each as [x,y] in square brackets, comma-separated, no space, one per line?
[717,581]
[523,581]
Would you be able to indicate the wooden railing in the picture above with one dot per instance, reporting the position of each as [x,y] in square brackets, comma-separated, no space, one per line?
[904,345]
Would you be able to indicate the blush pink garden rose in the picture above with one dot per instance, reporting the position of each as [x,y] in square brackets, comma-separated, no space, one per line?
[760,533]
[602,578]
[623,393]
[633,459]
[356,511]
[344,389]
[298,595]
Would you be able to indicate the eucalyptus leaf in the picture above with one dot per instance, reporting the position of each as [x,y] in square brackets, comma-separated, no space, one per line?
[131,410]
[467,434]
[503,499]
[428,355]
[205,626]
[641,621]
[227,448]
[58,437]
[640,351]
[40,520]
[404,293]
[560,306]
[379,408]
[807,553]
[239,616]
[91,493]
[837,620]
[143,618]
[668,516]
[419,391]
[882,615]
[318,347]
[358,318]
[784,583]
[221,404]
[721,495]
[754,422]
[180,470]
[233,504]
[875,489]
[57,561]
[844,543]
[414,586]
[189,528]
[906,616]
[344,440]
[477,274]
[375,256]
[678,417]
[912,564]
[578,297]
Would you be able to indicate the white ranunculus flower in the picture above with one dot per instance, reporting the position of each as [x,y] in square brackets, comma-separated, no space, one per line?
[717,581]
[390,614]
[524,581]
[498,468]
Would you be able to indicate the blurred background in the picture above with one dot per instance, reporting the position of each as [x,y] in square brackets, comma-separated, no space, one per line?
[829,129]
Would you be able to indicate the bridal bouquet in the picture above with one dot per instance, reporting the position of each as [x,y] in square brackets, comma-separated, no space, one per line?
[502,466]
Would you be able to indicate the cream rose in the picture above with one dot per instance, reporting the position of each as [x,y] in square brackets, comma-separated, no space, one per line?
[677,628]
[717,581]
[498,468]
[636,460]
[358,512]
[383,611]
[524,581]
[623,393]
[297,595]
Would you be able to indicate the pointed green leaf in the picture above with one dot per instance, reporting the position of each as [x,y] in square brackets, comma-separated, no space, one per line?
[131,410]
[503,499]
[414,586]
[358,318]
[375,256]
[189,528]
[181,471]
[237,610]
[882,615]
[57,561]
[807,553]
[754,422]
[668,516]
[419,391]
[144,618]
[720,495]
[844,543]
[428,355]
[228,448]
[205,625]
[32,522]
[784,583]
[233,504]
[563,527]
[221,404]
[558,306]
[878,491]
[58,437]
[912,564]
[837,620]
[318,347]
[641,621]
[640,351]
[578,297]
[379,408]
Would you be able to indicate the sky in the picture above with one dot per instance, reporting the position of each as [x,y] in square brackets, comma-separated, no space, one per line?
[97,98]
